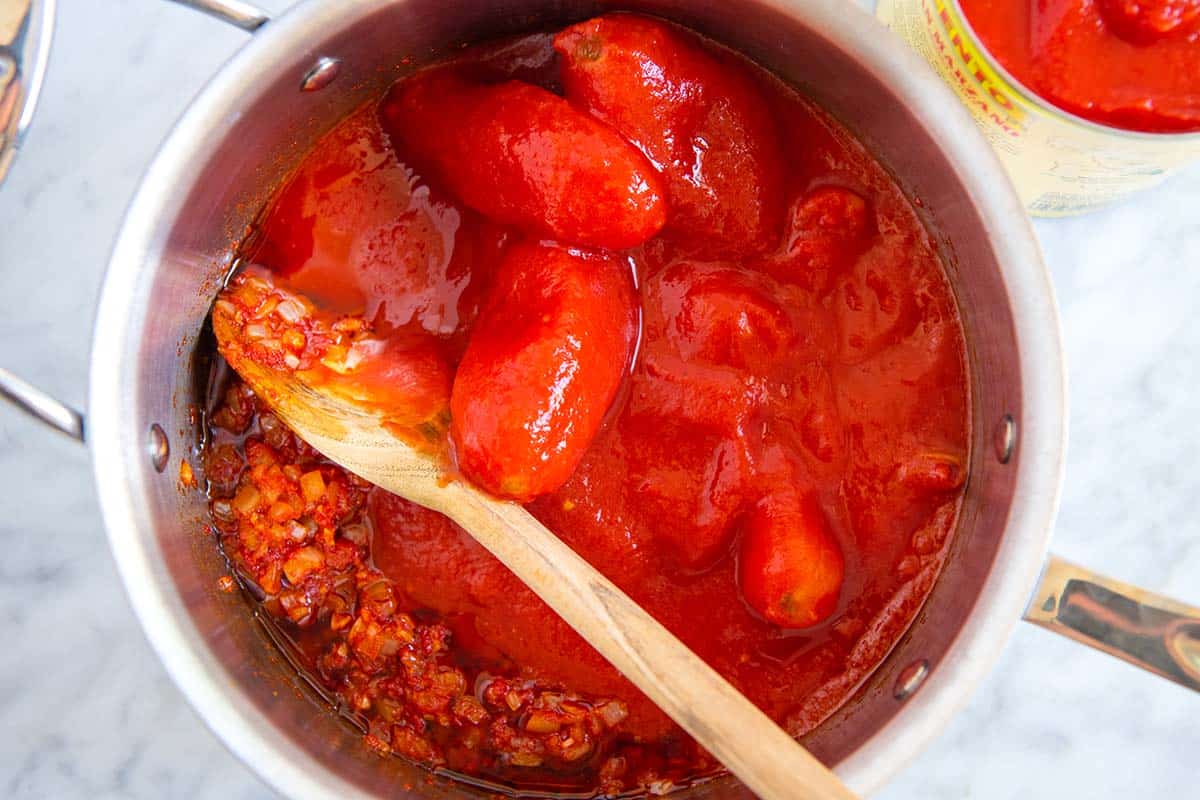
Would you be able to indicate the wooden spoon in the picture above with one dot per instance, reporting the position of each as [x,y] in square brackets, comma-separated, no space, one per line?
[746,741]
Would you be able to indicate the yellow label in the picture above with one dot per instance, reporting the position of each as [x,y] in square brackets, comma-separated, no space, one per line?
[1059,165]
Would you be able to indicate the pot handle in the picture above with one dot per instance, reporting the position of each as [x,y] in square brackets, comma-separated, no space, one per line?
[39,405]
[236,12]
[1146,629]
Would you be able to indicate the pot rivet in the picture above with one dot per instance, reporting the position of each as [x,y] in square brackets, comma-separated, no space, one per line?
[911,678]
[1005,438]
[158,447]
[321,74]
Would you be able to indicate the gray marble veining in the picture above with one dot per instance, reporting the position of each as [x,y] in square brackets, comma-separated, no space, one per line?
[86,711]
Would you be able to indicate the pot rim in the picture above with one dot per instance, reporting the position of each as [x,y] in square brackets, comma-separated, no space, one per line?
[113,397]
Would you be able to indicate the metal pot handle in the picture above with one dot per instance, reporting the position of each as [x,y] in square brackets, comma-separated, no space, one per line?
[1146,629]
[24,40]
[235,12]
[41,406]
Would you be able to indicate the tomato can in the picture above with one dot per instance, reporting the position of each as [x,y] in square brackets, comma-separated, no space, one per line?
[1060,163]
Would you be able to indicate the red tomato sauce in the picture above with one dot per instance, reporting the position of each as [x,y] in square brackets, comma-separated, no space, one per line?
[1132,64]
[775,475]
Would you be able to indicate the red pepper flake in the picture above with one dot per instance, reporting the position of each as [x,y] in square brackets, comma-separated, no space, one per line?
[226,584]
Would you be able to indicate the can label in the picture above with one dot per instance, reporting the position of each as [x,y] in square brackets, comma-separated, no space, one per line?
[1059,165]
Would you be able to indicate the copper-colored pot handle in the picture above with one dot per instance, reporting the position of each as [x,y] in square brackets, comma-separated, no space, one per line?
[1146,629]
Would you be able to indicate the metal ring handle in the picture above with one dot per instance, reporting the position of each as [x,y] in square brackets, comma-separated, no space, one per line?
[19,24]
[26,27]
[1146,629]
[235,12]
[41,406]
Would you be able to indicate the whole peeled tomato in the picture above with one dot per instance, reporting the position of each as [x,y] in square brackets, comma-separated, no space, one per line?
[790,565]
[719,314]
[875,307]
[409,381]
[828,229]
[524,157]
[686,482]
[544,362]
[1144,22]
[697,115]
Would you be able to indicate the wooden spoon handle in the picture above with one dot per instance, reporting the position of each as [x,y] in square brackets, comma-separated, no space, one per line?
[718,716]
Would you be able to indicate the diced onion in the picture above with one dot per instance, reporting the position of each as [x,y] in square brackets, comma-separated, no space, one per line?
[303,562]
[291,310]
[246,499]
[312,486]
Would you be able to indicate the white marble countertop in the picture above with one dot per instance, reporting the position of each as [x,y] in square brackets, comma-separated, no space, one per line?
[86,711]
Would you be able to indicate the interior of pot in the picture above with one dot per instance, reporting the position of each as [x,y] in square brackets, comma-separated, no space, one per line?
[249,128]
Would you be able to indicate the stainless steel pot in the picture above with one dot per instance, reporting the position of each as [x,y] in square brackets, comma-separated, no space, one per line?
[295,78]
